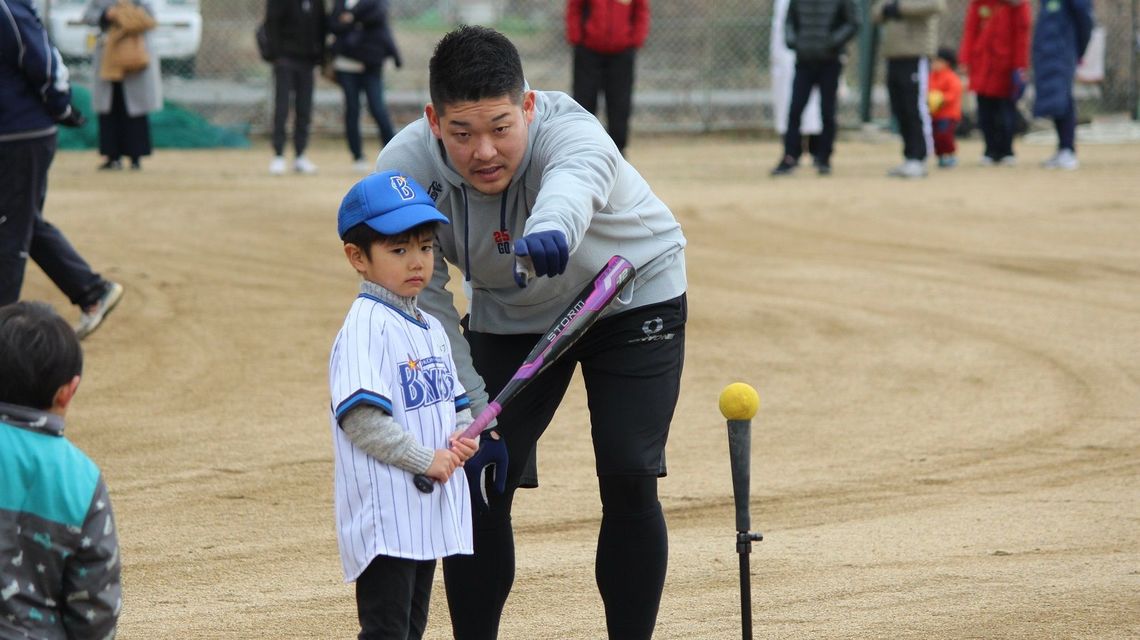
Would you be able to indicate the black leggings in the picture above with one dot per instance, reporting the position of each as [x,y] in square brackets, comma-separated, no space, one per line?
[632,556]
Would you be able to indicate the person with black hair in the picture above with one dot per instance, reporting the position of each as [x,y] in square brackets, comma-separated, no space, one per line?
[532,183]
[295,34]
[59,564]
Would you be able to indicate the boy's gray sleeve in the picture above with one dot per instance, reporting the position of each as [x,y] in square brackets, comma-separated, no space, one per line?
[378,434]
[92,589]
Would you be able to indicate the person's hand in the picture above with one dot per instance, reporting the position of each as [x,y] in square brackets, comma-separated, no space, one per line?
[492,458]
[443,464]
[463,448]
[73,119]
[1019,81]
[547,252]
[346,17]
[891,10]
[398,61]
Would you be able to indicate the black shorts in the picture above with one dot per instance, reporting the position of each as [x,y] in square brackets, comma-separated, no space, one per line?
[631,366]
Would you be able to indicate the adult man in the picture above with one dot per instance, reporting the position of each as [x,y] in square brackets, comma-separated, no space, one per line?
[59,559]
[606,35]
[531,174]
[818,31]
[910,39]
[36,96]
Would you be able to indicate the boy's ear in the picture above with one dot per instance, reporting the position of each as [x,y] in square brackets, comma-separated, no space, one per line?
[64,395]
[356,257]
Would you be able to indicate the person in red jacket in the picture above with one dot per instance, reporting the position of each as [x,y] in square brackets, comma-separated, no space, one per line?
[945,97]
[994,53]
[606,35]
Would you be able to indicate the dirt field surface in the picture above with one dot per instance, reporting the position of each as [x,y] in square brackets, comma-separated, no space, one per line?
[948,444]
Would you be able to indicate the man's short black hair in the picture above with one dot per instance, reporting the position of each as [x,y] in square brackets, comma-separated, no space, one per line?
[472,63]
[39,353]
[949,56]
[364,236]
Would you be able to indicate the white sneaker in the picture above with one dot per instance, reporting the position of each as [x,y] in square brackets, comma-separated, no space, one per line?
[1008,161]
[909,169]
[92,317]
[362,166]
[987,161]
[277,166]
[1065,160]
[304,165]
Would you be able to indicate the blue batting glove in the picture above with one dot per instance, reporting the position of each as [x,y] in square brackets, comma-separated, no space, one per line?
[491,457]
[547,250]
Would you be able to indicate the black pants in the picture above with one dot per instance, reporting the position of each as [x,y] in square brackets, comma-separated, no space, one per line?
[392,598]
[996,119]
[631,366]
[611,74]
[907,81]
[24,233]
[120,133]
[825,75]
[292,82]
[371,83]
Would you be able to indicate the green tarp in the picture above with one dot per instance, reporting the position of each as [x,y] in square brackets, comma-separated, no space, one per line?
[171,128]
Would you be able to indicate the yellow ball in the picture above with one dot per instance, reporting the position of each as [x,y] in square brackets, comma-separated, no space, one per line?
[935,100]
[739,401]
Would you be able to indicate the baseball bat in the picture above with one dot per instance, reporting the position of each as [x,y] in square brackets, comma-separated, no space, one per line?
[570,326]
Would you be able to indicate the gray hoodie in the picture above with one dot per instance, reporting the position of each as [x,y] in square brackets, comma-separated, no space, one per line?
[572,179]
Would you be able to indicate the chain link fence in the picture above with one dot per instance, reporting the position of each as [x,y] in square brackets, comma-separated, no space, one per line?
[704,68]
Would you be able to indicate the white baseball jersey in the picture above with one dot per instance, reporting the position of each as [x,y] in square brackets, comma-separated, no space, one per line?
[387,359]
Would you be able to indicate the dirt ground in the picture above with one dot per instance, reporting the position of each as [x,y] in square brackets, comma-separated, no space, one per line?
[947,447]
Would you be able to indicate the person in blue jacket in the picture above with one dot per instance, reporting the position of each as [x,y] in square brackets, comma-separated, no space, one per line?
[1060,37]
[60,572]
[363,43]
[35,98]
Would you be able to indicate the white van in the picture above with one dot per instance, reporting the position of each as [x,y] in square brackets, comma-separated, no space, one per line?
[176,39]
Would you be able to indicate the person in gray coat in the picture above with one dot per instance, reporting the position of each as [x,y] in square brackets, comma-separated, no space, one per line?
[818,31]
[123,105]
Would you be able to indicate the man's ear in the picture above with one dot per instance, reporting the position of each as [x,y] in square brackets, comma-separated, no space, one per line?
[433,120]
[63,396]
[528,106]
[356,257]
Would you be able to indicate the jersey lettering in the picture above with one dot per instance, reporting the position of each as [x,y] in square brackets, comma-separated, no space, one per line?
[426,382]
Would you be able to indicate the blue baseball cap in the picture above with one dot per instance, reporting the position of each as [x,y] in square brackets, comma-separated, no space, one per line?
[389,202]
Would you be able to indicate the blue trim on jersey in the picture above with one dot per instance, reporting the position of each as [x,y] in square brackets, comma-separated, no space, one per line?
[462,402]
[411,319]
[360,397]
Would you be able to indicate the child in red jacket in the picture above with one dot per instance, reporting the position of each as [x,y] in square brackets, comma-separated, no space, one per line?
[945,99]
[995,55]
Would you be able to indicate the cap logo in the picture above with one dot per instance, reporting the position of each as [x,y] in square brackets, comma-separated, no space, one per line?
[401,186]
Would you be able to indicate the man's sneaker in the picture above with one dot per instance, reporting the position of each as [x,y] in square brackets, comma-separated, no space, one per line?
[277,166]
[1064,159]
[93,315]
[362,166]
[1008,161]
[303,165]
[909,169]
[785,168]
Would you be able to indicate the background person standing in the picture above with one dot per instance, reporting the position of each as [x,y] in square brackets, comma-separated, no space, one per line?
[123,100]
[782,69]
[818,31]
[910,39]
[1064,28]
[296,34]
[994,54]
[606,35]
[363,43]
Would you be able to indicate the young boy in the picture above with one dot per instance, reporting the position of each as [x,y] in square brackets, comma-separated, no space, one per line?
[397,406]
[945,105]
[59,552]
